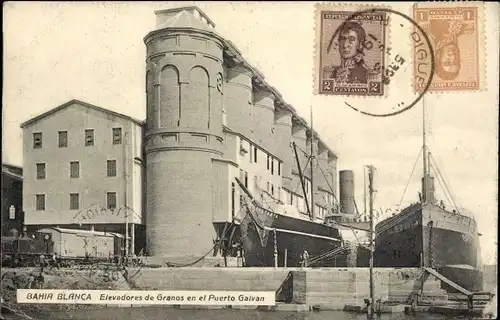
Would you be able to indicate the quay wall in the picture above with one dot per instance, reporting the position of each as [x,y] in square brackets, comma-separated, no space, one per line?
[335,288]
[329,287]
[223,279]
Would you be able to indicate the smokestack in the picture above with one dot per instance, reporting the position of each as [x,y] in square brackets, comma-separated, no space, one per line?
[430,188]
[346,184]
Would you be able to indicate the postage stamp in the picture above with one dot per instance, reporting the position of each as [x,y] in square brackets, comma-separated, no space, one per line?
[348,61]
[456,35]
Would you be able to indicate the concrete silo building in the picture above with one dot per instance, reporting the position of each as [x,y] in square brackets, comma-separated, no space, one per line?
[184,138]
[211,118]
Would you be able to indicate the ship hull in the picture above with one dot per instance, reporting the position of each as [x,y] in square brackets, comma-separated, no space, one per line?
[360,259]
[293,237]
[289,248]
[363,257]
[468,278]
[432,237]
[264,256]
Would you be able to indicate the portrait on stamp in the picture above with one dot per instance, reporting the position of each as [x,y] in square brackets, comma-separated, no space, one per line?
[350,59]
[352,68]
[454,36]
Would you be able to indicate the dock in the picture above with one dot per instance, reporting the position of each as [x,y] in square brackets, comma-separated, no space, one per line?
[469,296]
[397,290]
[301,289]
[321,289]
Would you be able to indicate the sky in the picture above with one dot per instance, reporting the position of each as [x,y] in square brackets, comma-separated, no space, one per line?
[55,52]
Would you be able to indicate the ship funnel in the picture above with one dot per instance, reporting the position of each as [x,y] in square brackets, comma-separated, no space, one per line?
[346,184]
[429,188]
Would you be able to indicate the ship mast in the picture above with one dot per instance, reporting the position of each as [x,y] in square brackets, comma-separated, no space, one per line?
[424,155]
[313,217]
[371,171]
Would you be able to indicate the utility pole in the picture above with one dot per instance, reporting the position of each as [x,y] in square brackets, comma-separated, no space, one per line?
[275,250]
[371,170]
[125,190]
[424,156]
[313,215]
[364,190]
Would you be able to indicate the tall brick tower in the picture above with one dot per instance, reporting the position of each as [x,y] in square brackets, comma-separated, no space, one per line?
[184,87]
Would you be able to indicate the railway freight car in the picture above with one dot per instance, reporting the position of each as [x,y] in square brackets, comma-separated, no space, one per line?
[73,244]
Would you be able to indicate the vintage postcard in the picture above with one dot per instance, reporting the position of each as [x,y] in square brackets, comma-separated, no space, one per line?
[166,160]
[456,32]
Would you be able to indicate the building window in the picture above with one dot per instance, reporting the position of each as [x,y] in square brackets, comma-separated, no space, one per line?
[74,169]
[267,189]
[117,135]
[40,171]
[233,194]
[12,212]
[267,162]
[246,179]
[40,202]
[63,139]
[272,166]
[111,168]
[272,189]
[89,137]
[255,154]
[250,153]
[74,201]
[37,140]
[291,199]
[111,200]
[279,168]
[279,193]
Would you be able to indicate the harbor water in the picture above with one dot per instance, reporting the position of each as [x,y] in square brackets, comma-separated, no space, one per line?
[160,313]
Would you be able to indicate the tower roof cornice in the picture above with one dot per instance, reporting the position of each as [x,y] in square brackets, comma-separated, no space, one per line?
[193,19]
[190,15]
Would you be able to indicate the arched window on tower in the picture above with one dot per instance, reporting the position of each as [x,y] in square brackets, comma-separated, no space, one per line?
[169,97]
[195,108]
[149,101]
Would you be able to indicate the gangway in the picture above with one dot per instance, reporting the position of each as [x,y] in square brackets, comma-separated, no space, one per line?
[470,295]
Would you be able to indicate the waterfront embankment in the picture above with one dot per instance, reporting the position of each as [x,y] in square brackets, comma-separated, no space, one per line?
[297,289]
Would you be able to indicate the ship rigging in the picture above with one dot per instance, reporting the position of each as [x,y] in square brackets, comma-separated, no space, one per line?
[267,230]
[429,234]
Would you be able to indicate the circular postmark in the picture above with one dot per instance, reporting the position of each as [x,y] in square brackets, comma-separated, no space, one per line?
[368,62]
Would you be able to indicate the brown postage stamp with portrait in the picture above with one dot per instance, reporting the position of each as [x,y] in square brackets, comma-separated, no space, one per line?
[348,60]
[455,30]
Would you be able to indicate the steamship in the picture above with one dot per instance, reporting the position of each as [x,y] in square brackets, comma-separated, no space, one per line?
[272,237]
[274,234]
[428,234]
